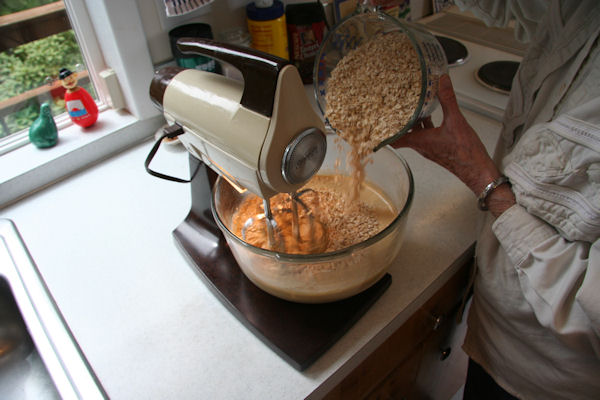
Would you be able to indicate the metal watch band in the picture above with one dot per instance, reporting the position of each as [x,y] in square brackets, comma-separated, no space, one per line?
[489,189]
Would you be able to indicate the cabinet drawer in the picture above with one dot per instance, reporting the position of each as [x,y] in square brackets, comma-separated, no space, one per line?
[392,368]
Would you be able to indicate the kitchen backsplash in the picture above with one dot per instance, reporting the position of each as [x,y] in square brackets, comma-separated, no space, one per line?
[221,15]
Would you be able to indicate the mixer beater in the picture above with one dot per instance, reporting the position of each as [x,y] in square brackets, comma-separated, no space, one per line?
[261,225]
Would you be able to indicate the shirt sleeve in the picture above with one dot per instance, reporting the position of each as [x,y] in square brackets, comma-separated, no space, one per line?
[525,13]
[560,279]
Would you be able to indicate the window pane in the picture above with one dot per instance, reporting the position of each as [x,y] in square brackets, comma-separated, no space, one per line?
[36,43]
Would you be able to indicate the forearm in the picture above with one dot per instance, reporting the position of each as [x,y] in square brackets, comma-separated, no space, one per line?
[456,146]
[500,200]
[477,171]
[557,277]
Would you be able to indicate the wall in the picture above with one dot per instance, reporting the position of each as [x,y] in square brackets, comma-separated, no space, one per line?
[220,14]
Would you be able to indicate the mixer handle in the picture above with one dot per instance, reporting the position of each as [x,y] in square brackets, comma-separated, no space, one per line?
[260,70]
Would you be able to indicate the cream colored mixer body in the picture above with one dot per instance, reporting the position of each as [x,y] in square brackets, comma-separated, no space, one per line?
[266,151]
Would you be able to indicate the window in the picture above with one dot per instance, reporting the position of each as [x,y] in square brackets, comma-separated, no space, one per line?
[36,41]
[111,36]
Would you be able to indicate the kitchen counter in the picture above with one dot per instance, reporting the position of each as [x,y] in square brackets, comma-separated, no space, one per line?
[146,322]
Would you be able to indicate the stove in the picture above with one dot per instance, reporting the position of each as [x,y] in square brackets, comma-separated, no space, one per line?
[487,49]
[456,52]
[497,75]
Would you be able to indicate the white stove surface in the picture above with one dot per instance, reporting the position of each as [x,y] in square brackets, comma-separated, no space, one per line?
[486,45]
[470,93]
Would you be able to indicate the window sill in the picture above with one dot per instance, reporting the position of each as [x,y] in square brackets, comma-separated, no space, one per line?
[28,169]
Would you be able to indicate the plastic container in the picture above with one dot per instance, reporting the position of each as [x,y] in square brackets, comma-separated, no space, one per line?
[194,61]
[306,28]
[356,30]
[267,26]
[240,37]
[319,278]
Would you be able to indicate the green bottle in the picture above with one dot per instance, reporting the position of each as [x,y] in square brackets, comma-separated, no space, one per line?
[43,132]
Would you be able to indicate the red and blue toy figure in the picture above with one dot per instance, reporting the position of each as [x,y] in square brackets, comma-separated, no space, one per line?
[79,104]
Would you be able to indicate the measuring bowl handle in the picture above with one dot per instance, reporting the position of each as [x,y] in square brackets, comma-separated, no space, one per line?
[260,70]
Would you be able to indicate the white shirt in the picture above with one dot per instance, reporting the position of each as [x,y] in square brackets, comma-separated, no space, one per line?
[534,324]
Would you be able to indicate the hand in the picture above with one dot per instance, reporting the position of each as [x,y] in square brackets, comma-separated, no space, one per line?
[456,146]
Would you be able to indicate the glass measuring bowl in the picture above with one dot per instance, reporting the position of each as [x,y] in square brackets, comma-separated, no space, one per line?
[358,29]
[331,276]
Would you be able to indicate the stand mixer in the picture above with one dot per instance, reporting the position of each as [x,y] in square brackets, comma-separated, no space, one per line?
[261,135]
[264,137]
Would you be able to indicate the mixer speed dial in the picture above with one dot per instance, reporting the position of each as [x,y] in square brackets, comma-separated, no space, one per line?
[303,156]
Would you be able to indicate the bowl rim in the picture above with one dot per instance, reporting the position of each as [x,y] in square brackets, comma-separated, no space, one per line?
[332,254]
[404,26]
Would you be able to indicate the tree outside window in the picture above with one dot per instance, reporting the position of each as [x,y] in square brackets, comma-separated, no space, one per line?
[36,41]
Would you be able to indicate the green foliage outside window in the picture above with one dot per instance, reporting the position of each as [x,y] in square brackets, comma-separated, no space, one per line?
[28,66]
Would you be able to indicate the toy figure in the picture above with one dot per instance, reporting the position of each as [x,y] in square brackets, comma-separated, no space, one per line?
[43,132]
[80,105]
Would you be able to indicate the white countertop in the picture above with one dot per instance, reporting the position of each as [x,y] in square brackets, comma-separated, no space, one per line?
[149,326]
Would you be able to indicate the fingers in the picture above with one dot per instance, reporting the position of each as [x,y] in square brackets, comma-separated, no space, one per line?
[422,124]
[402,141]
[406,140]
[427,124]
[446,96]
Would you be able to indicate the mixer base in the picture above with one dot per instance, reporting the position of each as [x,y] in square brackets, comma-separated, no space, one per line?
[298,333]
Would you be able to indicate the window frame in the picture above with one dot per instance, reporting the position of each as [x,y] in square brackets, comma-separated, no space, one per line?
[111,36]
[92,55]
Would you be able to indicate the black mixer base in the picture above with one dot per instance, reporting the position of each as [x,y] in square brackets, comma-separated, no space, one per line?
[299,333]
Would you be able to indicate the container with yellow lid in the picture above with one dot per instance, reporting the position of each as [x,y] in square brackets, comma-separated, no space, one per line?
[267,26]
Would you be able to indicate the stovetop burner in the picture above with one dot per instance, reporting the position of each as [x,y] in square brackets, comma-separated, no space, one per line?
[456,52]
[497,75]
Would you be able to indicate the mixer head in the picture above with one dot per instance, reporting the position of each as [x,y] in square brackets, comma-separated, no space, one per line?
[262,135]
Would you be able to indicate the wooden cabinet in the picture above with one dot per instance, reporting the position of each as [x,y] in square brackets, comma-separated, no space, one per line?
[396,369]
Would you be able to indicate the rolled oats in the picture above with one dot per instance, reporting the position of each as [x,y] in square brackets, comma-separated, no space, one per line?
[373,91]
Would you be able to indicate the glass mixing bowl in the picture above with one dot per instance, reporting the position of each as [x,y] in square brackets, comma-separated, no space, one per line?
[320,278]
[358,29]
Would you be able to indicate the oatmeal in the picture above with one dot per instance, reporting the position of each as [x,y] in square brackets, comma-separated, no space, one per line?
[330,223]
[374,90]
[371,95]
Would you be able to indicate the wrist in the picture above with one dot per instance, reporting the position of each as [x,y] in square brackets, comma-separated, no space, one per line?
[480,176]
[500,199]
[489,190]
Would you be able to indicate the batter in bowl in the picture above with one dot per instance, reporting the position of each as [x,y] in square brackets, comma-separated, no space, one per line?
[331,221]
